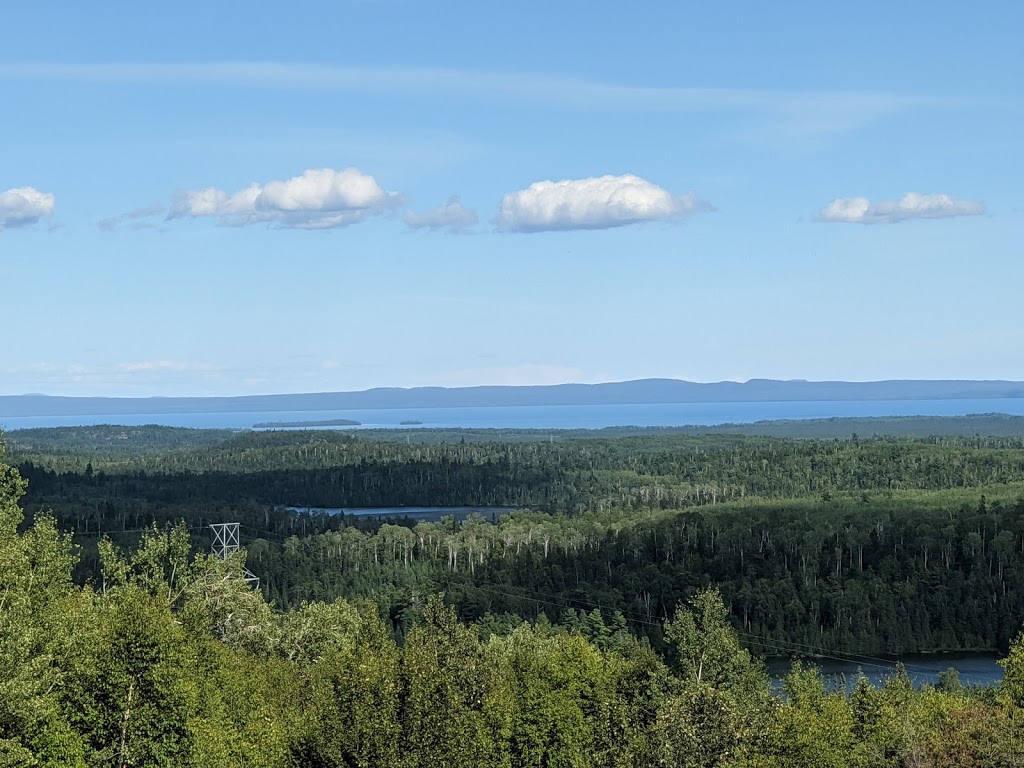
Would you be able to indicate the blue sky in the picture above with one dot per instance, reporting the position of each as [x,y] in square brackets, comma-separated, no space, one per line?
[238,198]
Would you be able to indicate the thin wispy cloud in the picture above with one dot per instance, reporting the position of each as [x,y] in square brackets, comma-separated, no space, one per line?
[24,206]
[317,199]
[150,366]
[452,217]
[129,378]
[808,111]
[860,210]
[140,218]
[595,203]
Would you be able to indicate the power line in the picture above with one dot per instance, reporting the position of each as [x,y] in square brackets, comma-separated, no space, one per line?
[565,602]
[282,537]
[77,533]
[800,649]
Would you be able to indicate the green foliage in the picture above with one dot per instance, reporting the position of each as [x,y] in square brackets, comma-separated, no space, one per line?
[869,545]
[134,693]
[444,685]
[250,710]
[701,727]
[587,474]
[37,602]
[1012,688]
[557,690]
[814,729]
[353,695]
[169,658]
[708,651]
[721,707]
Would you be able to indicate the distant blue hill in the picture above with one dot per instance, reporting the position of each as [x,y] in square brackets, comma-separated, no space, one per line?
[643,391]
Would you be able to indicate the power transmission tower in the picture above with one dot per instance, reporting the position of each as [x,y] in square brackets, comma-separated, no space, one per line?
[226,542]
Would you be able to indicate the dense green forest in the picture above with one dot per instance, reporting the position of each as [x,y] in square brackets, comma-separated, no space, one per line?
[168,658]
[670,472]
[882,545]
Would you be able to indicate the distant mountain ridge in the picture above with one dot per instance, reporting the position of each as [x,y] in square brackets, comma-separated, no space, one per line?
[641,391]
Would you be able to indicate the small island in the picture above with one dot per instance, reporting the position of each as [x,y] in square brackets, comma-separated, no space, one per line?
[302,424]
[410,423]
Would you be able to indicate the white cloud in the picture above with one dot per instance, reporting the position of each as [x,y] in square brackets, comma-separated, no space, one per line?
[860,210]
[24,206]
[318,199]
[596,203]
[451,216]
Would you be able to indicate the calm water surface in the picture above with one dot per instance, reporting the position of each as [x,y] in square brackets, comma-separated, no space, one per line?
[433,514]
[550,416]
[923,669]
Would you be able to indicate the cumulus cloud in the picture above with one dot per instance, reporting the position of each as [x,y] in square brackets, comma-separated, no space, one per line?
[24,206]
[860,210]
[318,199]
[136,219]
[451,217]
[596,203]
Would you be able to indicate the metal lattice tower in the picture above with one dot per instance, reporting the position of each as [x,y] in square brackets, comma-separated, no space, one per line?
[225,539]
[226,542]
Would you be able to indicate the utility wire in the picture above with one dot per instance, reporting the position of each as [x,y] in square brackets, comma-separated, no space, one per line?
[77,533]
[281,536]
[787,646]
[799,649]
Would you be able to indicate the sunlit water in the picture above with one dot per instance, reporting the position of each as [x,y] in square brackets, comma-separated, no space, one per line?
[549,416]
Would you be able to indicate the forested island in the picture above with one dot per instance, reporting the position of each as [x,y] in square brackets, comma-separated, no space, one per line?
[615,620]
[306,424]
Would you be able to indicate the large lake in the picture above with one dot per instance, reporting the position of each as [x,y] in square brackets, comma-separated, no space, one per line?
[550,416]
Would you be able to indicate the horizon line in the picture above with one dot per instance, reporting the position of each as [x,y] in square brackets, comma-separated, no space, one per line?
[433,387]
